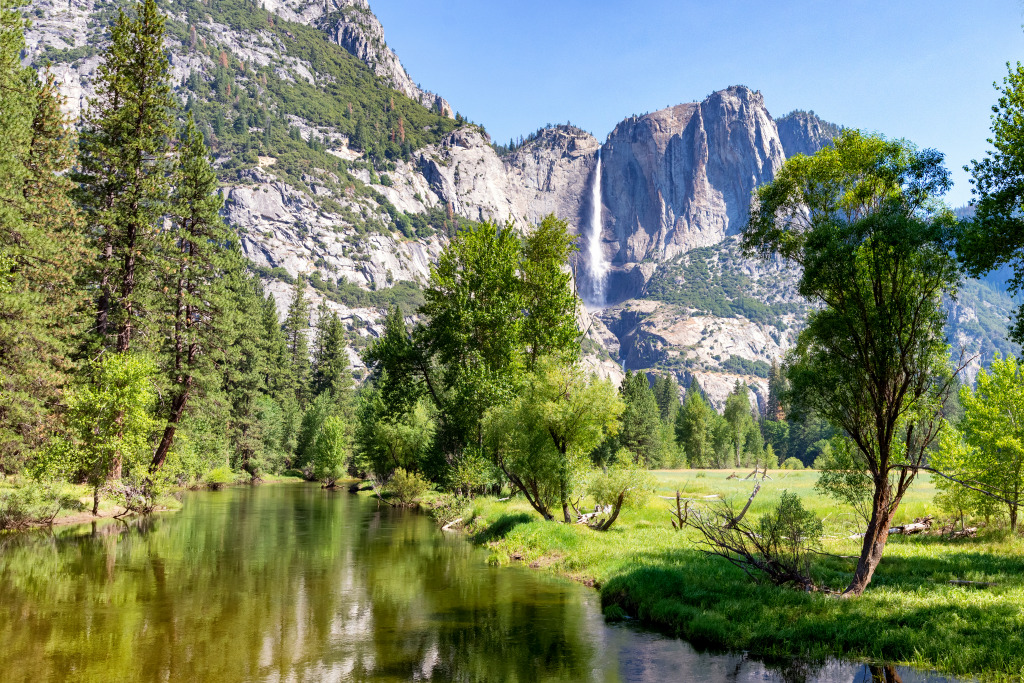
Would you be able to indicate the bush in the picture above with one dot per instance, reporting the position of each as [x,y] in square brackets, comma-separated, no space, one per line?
[623,485]
[448,507]
[331,451]
[35,503]
[792,464]
[407,487]
[220,477]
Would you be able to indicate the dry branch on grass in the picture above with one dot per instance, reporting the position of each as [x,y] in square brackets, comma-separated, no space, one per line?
[776,548]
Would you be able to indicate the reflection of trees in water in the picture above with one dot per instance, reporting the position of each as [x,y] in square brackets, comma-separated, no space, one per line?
[295,583]
[284,582]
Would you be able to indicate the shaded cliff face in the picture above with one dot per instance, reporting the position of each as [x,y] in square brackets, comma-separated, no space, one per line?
[802,132]
[681,178]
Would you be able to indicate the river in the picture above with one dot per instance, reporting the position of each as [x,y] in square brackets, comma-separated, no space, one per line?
[293,583]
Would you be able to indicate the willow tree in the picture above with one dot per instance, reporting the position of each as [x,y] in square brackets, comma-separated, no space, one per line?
[541,439]
[862,221]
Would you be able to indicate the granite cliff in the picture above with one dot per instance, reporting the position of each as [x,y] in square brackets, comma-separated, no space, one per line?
[337,168]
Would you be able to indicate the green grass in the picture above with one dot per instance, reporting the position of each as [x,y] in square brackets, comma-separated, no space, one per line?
[910,614]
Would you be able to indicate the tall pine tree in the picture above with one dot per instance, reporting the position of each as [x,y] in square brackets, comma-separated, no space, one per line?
[330,370]
[40,251]
[124,170]
[296,325]
[195,263]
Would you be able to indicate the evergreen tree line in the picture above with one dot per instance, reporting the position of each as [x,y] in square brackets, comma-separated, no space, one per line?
[136,351]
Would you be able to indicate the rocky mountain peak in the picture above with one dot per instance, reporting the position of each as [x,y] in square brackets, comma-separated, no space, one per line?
[353,25]
[802,132]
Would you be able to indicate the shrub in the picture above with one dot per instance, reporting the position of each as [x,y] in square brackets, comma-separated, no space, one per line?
[406,486]
[623,485]
[35,503]
[447,508]
[220,477]
[792,464]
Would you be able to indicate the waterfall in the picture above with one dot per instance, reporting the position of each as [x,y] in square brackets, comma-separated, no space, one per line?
[597,264]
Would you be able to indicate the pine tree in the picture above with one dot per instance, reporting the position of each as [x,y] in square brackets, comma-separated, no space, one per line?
[195,261]
[124,172]
[244,379]
[296,323]
[640,429]
[776,387]
[666,393]
[330,358]
[40,249]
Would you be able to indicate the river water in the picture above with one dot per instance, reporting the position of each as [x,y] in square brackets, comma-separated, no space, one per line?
[293,583]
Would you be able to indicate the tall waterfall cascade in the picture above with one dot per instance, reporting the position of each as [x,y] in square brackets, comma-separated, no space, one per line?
[597,262]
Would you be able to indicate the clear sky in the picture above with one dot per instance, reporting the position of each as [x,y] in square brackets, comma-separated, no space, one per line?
[904,68]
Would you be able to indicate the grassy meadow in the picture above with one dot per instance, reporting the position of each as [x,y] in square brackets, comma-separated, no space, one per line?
[910,614]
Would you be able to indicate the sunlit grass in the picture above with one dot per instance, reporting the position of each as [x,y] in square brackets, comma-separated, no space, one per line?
[910,613]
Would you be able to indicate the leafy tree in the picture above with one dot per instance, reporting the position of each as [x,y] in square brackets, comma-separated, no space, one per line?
[195,262]
[321,408]
[860,218]
[110,419]
[542,437]
[549,325]
[123,170]
[988,449]
[331,451]
[744,433]
[495,304]
[995,237]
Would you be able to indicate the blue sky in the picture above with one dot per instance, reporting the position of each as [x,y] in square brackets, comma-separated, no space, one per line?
[913,69]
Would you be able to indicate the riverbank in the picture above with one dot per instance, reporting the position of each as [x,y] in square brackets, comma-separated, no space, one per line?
[108,509]
[910,614]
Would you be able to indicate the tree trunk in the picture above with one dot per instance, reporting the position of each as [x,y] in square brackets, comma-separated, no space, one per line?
[1013,519]
[565,513]
[96,500]
[874,540]
[178,409]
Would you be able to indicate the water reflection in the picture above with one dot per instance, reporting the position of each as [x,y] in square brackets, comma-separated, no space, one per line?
[292,583]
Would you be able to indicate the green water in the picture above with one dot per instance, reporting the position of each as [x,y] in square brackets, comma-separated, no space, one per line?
[292,583]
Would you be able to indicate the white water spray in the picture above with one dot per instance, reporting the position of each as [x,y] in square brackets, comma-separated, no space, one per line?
[597,264]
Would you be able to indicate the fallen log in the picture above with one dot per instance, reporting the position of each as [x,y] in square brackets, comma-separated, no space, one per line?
[969,532]
[449,525]
[920,524]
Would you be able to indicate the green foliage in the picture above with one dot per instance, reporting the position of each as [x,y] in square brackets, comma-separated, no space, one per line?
[331,451]
[666,393]
[322,407]
[862,220]
[35,503]
[219,477]
[792,464]
[541,438]
[993,238]
[110,419]
[624,485]
[988,450]
[407,487]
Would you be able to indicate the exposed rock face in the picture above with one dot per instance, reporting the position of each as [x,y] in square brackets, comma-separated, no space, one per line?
[352,25]
[681,178]
[802,132]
